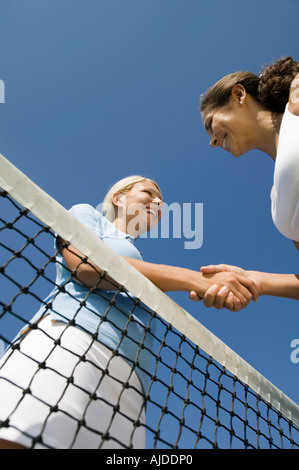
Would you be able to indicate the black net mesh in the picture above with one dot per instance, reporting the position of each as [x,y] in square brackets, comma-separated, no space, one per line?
[190,401]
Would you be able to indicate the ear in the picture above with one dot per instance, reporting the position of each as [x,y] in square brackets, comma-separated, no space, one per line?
[238,93]
[117,199]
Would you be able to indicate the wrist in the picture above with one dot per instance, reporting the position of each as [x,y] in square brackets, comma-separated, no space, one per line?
[259,281]
[197,282]
[278,285]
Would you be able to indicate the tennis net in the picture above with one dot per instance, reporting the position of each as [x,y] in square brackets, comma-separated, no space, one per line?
[200,393]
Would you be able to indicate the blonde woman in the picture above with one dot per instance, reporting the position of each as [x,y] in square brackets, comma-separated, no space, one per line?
[49,396]
[242,112]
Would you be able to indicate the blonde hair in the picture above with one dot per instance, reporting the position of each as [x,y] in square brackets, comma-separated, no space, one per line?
[122,186]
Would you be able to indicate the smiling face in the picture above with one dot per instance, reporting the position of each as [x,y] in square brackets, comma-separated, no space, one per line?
[141,207]
[230,126]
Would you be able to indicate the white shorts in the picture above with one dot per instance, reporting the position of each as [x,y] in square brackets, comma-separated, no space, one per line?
[71,403]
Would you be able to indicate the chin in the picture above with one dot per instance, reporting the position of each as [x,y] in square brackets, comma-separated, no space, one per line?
[237,154]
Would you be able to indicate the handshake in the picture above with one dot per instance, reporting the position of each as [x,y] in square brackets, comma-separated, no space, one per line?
[229,287]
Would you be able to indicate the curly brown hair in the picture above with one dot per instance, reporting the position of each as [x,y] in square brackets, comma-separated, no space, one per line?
[271,88]
[275,81]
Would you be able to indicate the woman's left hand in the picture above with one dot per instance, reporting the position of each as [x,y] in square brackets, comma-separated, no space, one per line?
[220,296]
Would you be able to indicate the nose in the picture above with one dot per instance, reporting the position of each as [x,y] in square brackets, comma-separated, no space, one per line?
[213,141]
[158,201]
[157,205]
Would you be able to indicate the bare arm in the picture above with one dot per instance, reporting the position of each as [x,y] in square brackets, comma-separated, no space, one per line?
[167,278]
[278,285]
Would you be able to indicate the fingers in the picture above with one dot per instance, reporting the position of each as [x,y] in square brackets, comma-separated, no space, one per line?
[234,283]
[217,268]
[249,285]
[194,296]
[238,280]
[231,287]
[215,296]
[214,268]
[233,303]
[221,297]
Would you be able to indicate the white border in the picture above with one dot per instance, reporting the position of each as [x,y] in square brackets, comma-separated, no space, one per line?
[52,214]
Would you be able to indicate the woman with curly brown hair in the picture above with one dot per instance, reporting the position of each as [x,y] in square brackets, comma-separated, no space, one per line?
[243,112]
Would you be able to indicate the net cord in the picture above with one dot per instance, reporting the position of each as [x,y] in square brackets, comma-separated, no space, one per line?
[56,217]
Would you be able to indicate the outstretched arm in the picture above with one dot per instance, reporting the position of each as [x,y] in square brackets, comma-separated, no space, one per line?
[278,285]
[167,278]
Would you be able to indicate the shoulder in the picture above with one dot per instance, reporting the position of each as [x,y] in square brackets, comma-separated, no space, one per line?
[294,96]
[86,210]
[87,214]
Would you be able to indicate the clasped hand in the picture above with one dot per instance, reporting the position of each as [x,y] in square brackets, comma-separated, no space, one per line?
[230,287]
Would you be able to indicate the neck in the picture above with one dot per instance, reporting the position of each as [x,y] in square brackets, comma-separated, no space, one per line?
[122,225]
[268,134]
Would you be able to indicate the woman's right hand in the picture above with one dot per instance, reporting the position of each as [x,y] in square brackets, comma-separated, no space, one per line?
[230,287]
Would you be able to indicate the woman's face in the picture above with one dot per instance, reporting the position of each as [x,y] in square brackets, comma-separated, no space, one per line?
[229,126]
[143,206]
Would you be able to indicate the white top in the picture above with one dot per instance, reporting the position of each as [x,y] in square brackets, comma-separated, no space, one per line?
[285,190]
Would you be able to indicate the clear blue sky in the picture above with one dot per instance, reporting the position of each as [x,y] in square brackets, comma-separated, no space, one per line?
[96,90]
